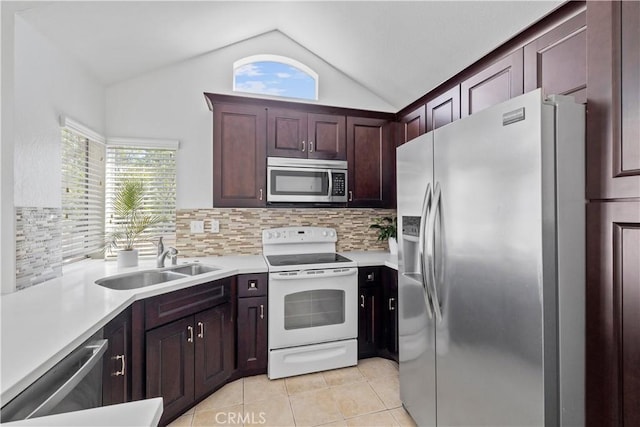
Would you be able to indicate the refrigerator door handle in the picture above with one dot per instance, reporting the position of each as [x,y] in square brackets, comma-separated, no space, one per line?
[426,207]
[431,252]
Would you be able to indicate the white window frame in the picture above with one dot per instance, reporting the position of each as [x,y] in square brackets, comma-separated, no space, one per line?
[167,229]
[82,223]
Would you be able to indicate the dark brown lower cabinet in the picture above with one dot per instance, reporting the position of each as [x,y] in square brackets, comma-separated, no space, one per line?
[116,370]
[613,314]
[252,335]
[369,321]
[189,358]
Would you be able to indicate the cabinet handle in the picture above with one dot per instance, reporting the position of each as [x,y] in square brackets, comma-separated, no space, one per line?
[253,285]
[262,311]
[190,329]
[391,306]
[371,277]
[311,146]
[304,146]
[362,301]
[350,196]
[122,365]
[261,194]
[201,327]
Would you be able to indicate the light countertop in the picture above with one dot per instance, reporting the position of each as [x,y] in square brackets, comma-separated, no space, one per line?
[44,323]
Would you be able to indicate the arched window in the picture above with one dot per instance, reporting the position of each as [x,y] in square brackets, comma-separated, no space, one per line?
[275,76]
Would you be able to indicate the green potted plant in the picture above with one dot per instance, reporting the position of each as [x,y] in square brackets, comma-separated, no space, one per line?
[128,210]
[387,228]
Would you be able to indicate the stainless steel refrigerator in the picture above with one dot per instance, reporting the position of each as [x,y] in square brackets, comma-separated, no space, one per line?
[491,213]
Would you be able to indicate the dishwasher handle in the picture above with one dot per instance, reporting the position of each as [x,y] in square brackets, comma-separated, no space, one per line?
[97,348]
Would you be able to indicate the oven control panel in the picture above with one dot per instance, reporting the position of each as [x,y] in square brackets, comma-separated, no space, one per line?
[298,235]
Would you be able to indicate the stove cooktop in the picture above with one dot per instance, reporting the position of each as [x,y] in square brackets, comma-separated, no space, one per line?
[303,259]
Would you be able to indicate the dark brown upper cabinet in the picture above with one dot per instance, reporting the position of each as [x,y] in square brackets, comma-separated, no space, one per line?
[412,125]
[443,109]
[557,61]
[613,91]
[239,155]
[293,133]
[495,83]
[371,158]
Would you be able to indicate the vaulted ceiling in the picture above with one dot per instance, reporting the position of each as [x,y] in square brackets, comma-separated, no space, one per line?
[397,50]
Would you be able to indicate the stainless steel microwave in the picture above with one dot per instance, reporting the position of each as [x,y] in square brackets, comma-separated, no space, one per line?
[306,180]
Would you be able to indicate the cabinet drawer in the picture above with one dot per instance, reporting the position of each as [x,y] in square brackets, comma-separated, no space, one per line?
[252,285]
[369,276]
[165,308]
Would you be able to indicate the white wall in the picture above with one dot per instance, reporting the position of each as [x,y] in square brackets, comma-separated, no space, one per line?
[48,83]
[169,103]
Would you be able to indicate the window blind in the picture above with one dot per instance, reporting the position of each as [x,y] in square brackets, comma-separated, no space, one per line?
[156,169]
[83,173]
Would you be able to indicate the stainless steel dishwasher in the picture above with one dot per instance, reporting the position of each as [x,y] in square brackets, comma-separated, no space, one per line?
[73,384]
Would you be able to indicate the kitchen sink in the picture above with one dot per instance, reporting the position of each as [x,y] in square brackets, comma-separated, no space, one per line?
[192,269]
[140,279]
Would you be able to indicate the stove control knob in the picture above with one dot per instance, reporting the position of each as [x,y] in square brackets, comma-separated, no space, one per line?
[269,235]
[332,233]
[277,234]
[325,233]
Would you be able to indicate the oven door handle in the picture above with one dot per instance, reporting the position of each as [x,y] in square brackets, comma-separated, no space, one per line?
[313,274]
[97,349]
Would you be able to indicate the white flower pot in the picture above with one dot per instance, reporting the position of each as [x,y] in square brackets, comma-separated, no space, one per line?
[393,246]
[128,258]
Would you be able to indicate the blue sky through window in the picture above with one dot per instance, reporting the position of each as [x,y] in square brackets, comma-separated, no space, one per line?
[275,79]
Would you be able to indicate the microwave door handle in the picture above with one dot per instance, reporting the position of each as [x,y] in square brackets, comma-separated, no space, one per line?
[330,178]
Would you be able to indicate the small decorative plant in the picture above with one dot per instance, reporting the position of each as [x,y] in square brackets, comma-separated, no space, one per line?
[128,208]
[387,228]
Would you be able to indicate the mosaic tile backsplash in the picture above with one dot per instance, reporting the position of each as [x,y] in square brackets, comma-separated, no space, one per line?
[241,228]
[38,245]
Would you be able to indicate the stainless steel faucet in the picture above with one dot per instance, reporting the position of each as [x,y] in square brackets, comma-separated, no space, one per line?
[162,254]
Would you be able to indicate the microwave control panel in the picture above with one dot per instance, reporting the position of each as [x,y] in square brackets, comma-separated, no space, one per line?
[339,184]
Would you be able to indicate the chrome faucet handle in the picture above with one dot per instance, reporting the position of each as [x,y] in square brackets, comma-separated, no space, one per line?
[160,246]
[173,254]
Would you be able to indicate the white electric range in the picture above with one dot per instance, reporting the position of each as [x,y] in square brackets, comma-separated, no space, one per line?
[313,291]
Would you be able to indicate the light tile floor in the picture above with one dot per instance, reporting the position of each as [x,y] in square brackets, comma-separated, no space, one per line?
[363,395]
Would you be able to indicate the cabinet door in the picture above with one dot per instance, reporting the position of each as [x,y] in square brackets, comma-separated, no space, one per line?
[369,321]
[327,138]
[412,125]
[239,155]
[443,109]
[170,350]
[371,158]
[492,85]
[613,314]
[252,335]
[116,384]
[286,133]
[613,91]
[557,61]
[214,348]
[390,309]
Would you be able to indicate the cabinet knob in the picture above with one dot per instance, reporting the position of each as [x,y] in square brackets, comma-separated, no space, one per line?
[253,285]
[371,277]
[122,365]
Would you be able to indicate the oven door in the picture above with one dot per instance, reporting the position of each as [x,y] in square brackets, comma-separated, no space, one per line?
[312,306]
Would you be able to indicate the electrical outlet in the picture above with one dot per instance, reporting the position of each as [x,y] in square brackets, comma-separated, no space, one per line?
[215,226]
[197,227]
